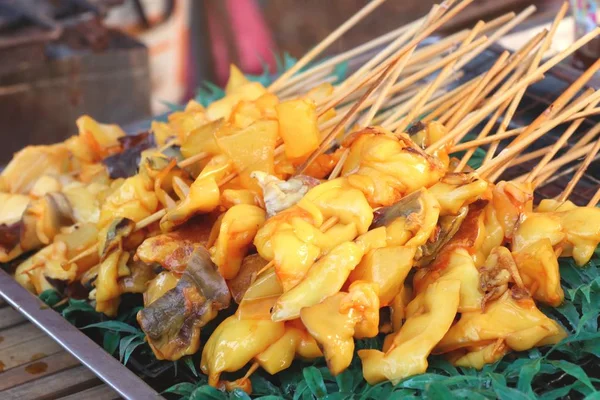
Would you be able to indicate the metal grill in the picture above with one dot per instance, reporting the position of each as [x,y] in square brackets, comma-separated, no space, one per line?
[537,98]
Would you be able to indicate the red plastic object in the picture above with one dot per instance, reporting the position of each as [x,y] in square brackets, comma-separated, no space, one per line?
[252,40]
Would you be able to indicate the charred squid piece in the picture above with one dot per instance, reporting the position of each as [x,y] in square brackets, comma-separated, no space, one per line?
[9,236]
[118,230]
[498,272]
[113,265]
[125,163]
[410,221]
[448,226]
[137,281]
[410,204]
[249,269]
[279,194]
[172,322]
[43,219]
[173,250]
[164,172]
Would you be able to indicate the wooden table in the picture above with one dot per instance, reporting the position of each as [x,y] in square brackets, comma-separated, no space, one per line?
[33,366]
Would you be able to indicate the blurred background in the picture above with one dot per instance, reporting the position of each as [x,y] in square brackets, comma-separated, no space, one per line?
[123,61]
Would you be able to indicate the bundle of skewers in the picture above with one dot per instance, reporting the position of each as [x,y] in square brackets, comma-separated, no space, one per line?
[306,209]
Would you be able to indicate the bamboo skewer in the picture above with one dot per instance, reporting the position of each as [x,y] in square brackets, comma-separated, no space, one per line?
[469,100]
[332,37]
[484,132]
[532,67]
[561,141]
[338,128]
[138,226]
[580,171]
[348,55]
[475,118]
[383,93]
[551,125]
[517,146]
[509,26]
[407,82]
[440,20]
[431,88]
[434,50]
[450,101]
[193,159]
[554,165]
[595,199]
[436,16]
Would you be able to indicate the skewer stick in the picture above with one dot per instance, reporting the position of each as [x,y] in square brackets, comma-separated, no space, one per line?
[350,114]
[396,71]
[522,16]
[332,37]
[550,125]
[516,147]
[193,159]
[382,55]
[594,200]
[337,98]
[436,49]
[523,83]
[408,81]
[484,132]
[561,141]
[432,87]
[580,171]
[551,177]
[485,140]
[138,226]
[423,73]
[303,87]
[466,107]
[532,67]
[323,228]
[347,55]
[450,101]
[553,166]
[340,164]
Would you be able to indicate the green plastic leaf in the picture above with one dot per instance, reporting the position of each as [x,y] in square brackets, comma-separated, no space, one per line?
[182,389]
[345,381]
[420,381]
[116,326]
[261,386]
[207,393]
[239,394]
[50,297]
[526,375]
[338,396]
[438,391]
[110,341]
[189,362]
[126,344]
[270,397]
[575,371]
[506,393]
[314,381]
[300,389]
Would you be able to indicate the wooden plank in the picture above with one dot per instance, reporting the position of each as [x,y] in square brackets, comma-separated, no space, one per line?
[27,351]
[10,317]
[18,334]
[37,369]
[100,392]
[53,386]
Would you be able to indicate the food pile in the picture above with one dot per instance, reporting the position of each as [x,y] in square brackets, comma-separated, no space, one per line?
[311,225]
